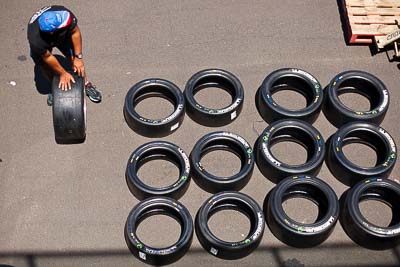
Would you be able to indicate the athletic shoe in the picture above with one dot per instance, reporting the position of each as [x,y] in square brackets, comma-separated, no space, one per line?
[93,94]
[49,100]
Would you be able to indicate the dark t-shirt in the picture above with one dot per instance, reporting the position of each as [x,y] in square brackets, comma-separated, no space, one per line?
[39,41]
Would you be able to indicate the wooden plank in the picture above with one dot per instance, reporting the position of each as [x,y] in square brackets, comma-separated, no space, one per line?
[355,39]
[372,29]
[374,19]
[373,11]
[373,3]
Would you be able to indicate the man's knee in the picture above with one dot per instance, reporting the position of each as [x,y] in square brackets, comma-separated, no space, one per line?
[45,71]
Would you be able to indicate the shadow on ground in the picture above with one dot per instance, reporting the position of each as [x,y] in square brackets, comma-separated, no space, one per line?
[263,256]
[43,85]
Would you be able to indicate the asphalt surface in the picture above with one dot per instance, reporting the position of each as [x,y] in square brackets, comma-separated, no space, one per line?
[66,205]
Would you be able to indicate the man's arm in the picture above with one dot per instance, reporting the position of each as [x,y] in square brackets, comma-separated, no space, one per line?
[78,65]
[65,77]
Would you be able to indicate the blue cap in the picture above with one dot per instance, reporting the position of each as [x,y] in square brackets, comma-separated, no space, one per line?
[51,21]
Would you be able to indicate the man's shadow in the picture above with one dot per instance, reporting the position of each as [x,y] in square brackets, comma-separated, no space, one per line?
[43,86]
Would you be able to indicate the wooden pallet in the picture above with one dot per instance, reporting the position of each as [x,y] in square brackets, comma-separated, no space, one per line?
[369,18]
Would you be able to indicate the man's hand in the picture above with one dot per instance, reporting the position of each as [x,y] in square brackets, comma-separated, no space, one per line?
[65,81]
[79,67]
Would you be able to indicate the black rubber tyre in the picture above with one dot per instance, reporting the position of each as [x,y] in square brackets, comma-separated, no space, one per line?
[154,206]
[222,141]
[362,83]
[368,134]
[214,78]
[154,88]
[153,151]
[69,112]
[230,201]
[293,130]
[294,233]
[357,227]
[289,79]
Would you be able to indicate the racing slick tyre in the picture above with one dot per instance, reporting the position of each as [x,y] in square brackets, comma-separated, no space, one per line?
[155,206]
[69,112]
[289,79]
[222,141]
[230,200]
[357,227]
[292,130]
[297,234]
[153,151]
[359,82]
[214,78]
[154,88]
[368,134]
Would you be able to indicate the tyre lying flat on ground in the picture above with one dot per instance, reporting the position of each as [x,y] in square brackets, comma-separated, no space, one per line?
[222,141]
[357,227]
[296,131]
[295,233]
[155,206]
[359,82]
[214,78]
[154,88]
[289,79]
[368,134]
[153,151]
[69,112]
[230,200]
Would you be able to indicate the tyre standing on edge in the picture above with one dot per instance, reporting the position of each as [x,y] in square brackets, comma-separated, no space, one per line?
[69,112]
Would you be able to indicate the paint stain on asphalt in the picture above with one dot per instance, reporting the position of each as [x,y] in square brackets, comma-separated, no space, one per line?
[21,58]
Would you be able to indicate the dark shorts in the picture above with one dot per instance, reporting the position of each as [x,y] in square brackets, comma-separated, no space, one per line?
[67,49]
